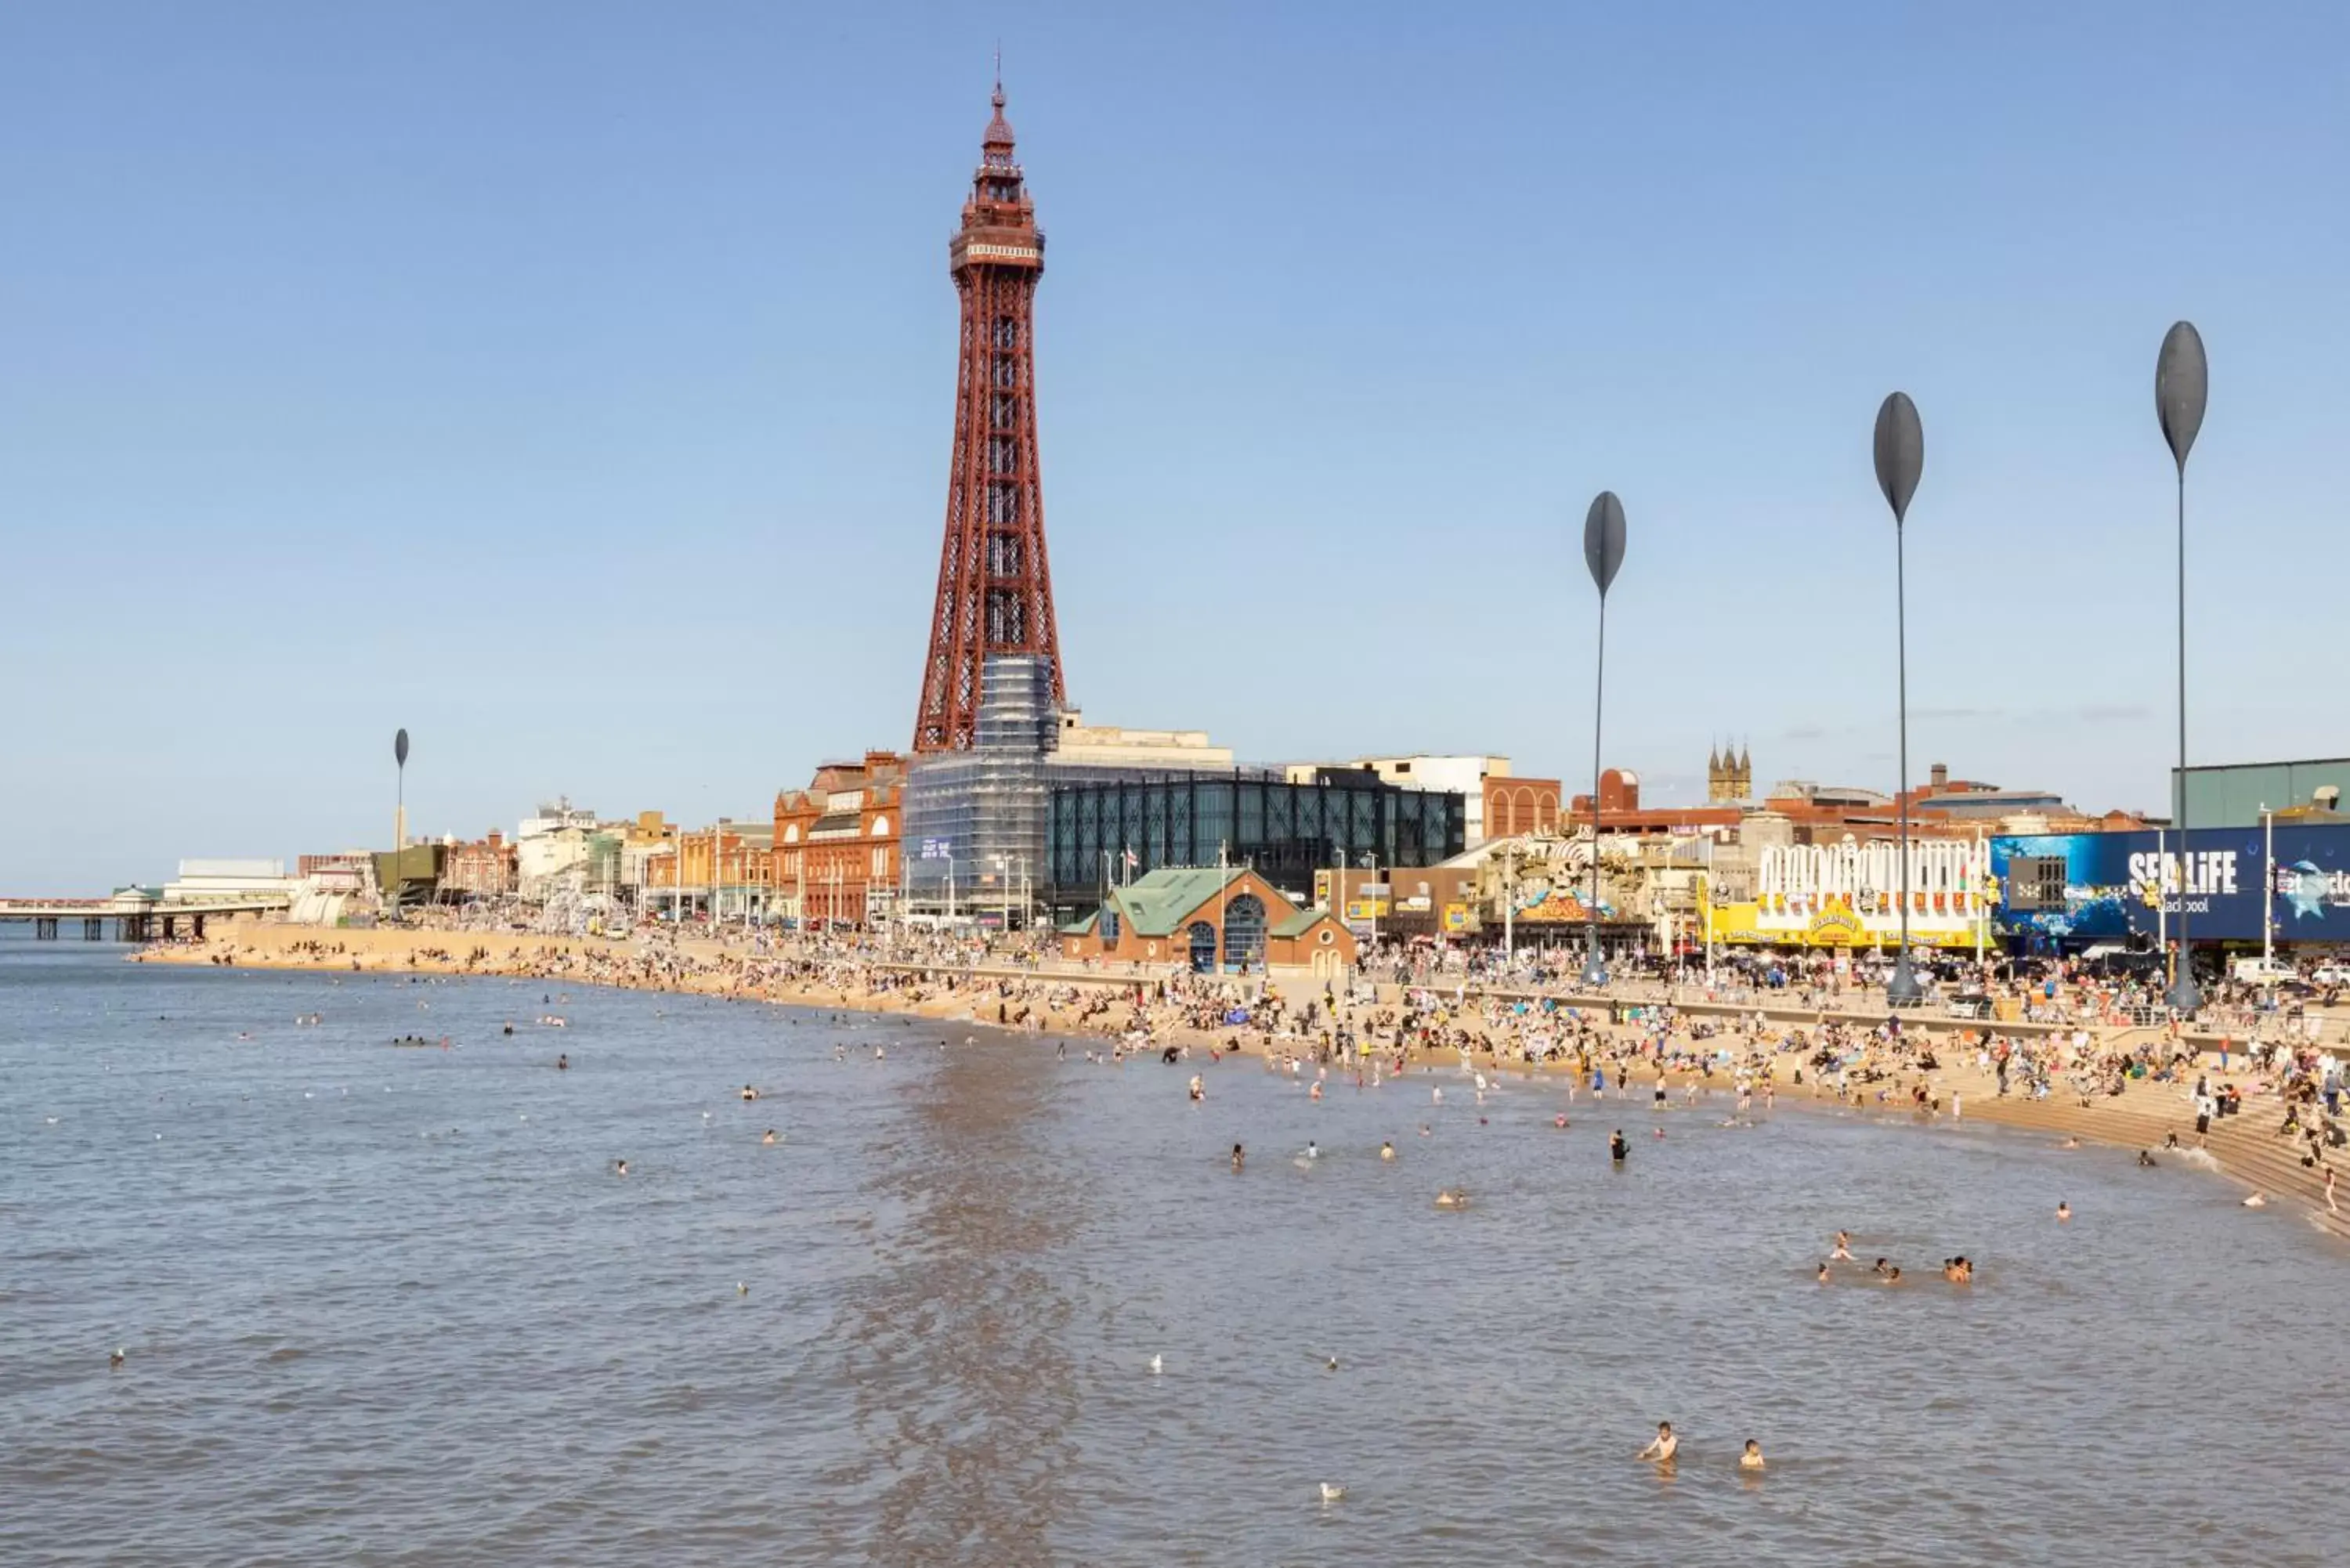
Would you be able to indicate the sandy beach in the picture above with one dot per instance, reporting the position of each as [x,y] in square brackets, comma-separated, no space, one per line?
[1129,1010]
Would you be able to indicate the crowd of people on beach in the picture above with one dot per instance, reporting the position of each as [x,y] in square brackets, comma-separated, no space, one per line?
[1486,1009]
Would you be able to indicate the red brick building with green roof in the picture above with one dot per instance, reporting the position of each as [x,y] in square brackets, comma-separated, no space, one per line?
[1211,916]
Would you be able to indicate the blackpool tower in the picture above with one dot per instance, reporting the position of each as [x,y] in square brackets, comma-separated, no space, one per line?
[996,590]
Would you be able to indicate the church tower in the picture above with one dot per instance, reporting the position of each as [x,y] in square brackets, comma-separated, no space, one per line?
[1728,776]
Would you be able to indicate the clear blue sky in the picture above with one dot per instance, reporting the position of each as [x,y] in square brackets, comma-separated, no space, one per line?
[571,383]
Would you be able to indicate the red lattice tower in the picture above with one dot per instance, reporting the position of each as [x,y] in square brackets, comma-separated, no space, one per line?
[996,588]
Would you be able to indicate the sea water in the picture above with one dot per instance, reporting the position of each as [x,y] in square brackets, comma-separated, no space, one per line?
[392,1306]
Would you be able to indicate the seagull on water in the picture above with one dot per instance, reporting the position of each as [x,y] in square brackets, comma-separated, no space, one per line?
[1158,1365]
[1332,1493]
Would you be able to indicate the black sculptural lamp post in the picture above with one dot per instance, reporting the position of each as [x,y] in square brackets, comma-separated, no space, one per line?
[1603,552]
[2182,383]
[398,812]
[1900,460]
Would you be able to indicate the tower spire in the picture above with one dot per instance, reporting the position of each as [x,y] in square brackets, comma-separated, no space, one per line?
[999,130]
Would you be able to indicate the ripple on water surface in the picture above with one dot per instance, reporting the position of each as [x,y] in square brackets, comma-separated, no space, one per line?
[394,1306]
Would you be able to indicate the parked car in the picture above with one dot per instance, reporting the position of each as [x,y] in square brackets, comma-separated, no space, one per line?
[2262,970]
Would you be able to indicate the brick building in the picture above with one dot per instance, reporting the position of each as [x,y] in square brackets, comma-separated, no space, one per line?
[836,843]
[484,867]
[1208,917]
[726,870]
[1515,806]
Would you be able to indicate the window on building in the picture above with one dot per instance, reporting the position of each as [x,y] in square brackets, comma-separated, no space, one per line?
[1245,933]
[1110,927]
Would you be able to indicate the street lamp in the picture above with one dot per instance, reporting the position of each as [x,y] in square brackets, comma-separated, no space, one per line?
[1900,460]
[2182,383]
[1603,552]
[399,811]
[2268,889]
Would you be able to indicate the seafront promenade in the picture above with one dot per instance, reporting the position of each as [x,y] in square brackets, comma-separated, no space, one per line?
[1937,1067]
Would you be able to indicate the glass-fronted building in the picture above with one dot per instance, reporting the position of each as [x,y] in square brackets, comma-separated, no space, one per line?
[1013,824]
[1111,830]
[975,820]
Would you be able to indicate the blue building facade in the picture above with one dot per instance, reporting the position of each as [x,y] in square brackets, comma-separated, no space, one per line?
[2113,886]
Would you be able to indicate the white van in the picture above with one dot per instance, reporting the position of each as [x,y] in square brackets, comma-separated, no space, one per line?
[2260,970]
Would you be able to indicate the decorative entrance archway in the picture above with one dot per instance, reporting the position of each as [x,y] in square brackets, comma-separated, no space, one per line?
[1245,933]
[1203,946]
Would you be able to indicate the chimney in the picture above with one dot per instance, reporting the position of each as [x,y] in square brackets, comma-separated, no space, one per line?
[1941,777]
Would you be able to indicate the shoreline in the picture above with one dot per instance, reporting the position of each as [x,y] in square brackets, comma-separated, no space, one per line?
[2136,1120]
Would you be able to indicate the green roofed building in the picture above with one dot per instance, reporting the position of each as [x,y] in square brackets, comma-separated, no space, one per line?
[1212,917]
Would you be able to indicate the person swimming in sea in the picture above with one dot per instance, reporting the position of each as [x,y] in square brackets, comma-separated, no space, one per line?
[1312,1152]
[2063,1211]
[1751,1460]
[1665,1446]
[1879,1267]
[562,1061]
[1387,1151]
[1451,1198]
[1240,1159]
[1842,1252]
[749,1093]
[2144,1159]
[1823,1276]
[1617,1147]
[619,1168]
[1893,1276]
[768,1137]
[1199,1088]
